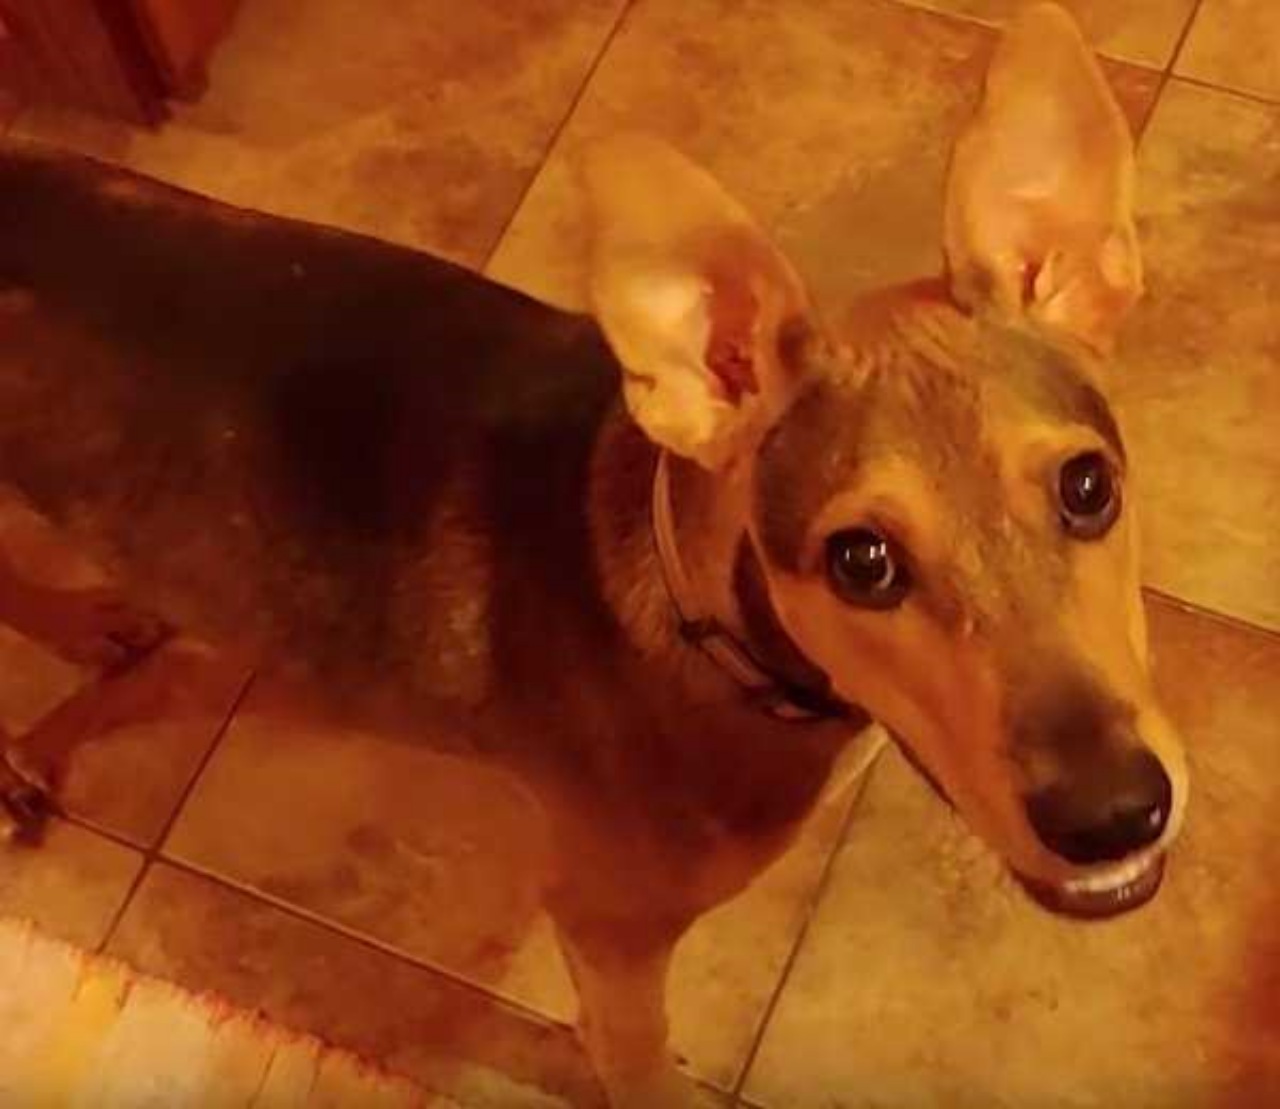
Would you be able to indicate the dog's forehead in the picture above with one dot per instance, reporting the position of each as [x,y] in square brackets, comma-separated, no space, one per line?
[844,426]
[924,389]
[1053,383]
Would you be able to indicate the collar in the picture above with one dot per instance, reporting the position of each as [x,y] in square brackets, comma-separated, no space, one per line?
[802,698]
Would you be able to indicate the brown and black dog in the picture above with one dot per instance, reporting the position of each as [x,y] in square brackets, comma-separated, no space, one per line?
[667,606]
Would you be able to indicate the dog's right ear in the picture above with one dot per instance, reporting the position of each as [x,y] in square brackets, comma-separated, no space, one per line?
[696,303]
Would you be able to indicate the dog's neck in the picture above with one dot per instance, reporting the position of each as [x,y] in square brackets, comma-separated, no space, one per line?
[685,581]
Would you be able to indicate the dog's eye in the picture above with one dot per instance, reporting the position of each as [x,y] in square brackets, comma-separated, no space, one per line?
[1089,495]
[864,569]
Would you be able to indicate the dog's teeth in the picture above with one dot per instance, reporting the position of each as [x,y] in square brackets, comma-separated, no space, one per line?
[1110,880]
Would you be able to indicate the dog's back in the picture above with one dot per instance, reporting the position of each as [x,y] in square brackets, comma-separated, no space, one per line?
[285,434]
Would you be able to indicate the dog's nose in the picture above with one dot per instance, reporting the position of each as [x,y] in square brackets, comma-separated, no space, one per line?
[1116,808]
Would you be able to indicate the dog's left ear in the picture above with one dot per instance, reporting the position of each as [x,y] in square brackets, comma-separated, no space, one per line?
[699,307]
[1039,218]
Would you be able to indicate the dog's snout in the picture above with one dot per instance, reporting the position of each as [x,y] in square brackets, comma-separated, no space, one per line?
[1114,808]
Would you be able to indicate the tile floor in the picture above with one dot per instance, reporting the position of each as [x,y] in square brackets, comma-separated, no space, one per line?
[885,962]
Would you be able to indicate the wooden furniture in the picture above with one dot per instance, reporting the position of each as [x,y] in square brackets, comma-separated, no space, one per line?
[121,58]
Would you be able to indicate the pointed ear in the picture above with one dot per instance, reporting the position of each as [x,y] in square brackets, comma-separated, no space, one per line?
[697,305]
[1039,216]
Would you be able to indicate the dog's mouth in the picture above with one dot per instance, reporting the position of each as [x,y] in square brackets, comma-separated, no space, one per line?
[1103,894]
[1099,895]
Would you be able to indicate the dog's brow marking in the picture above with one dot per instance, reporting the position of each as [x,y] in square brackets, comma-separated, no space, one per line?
[1043,375]
[1050,381]
[813,452]
[1091,409]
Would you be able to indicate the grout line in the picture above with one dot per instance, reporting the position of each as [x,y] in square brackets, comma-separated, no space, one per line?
[1166,74]
[1227,90]
[1176,56]
[108,934]
[369,943]
[88,824]
[802,933]
[722,1097]
[152,851]
[157,845]
[556,134]
[1191,608]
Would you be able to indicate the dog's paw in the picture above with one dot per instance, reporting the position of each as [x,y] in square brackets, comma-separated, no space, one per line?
[25,808]
[98,628]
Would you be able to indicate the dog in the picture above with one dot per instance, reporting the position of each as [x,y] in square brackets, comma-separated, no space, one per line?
[663,562]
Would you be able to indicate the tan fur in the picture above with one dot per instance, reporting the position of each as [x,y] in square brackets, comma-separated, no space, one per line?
[939,412]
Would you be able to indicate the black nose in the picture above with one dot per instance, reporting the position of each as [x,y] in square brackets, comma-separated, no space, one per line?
[1119,806]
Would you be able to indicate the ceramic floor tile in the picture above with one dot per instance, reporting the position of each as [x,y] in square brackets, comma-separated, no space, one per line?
[444,859]
[400,118]
[71,886]
[1142,31]
[831,122]
[1236,44]
[416,1024]
[928,978]
[128,776]
[1199,384]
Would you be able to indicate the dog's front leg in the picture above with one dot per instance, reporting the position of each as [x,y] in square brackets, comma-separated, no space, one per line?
[90,627]
[32,764]
[95,627]
[620,972]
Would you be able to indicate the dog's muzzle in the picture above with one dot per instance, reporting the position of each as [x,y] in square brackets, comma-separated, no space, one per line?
[1118,886]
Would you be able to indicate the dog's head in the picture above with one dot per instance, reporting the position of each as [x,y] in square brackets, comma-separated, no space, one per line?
[936,488]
